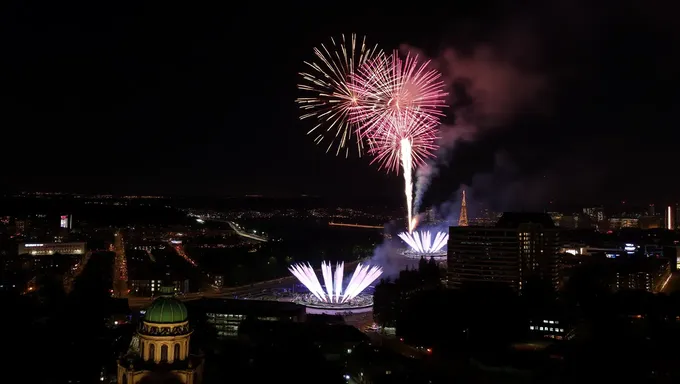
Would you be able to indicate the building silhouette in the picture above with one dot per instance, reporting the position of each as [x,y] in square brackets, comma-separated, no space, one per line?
[519,247]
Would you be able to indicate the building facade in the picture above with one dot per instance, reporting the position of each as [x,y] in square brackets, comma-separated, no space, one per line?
[226,315]
[520,246]
[160,350]
[42,249]
[647,274]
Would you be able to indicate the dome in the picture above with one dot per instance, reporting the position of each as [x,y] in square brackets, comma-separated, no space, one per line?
[166,309]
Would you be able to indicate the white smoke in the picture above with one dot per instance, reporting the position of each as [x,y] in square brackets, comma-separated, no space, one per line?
[486,91]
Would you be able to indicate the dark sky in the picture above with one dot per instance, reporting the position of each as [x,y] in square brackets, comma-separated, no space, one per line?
[561,100]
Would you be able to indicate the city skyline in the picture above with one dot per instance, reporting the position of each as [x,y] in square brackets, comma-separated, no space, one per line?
[556,104]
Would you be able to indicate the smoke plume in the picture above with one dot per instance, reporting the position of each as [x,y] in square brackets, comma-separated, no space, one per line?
[383,256]
[487,88]
[506,188]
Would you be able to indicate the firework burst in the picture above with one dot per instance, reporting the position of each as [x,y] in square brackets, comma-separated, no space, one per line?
[331,98]
[419,131]
[395,89]
[401,103]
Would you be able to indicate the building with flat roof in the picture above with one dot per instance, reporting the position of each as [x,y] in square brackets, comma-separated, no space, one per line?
[42,249]
[226,315]
[649,274]
[518,247]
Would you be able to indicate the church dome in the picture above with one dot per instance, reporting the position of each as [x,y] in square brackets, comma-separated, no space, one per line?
[166,309]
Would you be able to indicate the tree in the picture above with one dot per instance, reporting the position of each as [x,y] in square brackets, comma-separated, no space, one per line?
[385,299]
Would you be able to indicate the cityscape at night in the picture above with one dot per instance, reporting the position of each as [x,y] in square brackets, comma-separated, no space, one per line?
[476,193]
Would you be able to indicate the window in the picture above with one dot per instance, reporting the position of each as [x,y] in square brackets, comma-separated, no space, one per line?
[152,352]
[164,352]
[175,354]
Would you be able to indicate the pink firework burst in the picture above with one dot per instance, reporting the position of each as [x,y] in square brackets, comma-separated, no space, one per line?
[392,88]
[419,130]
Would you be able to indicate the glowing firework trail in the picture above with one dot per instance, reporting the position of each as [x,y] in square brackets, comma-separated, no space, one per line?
[332,98]
[407,164]
[362,277]
[406,142]
[422,241]
[401,102]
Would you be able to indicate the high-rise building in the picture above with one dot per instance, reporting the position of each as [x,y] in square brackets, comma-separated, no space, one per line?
[463,219]
[66,221]
[520,246]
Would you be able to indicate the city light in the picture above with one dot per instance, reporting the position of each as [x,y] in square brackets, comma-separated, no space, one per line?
[423,242]
[362,277]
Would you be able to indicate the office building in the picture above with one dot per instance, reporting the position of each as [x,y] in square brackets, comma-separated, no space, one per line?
[66,221]
[649,274]
[226,315]
[42,249]
[520,246]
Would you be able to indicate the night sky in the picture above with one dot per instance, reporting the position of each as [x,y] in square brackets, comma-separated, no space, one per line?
[561,101]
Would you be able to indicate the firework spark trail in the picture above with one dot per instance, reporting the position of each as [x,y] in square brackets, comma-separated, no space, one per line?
[362,277]
[327,278]
[422,242]
[331,98]
[406,142]
[407,165]
[401,102]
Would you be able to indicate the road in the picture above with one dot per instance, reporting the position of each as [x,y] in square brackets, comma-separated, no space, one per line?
[120,275]
[75,271]
[395,345]
[673,284]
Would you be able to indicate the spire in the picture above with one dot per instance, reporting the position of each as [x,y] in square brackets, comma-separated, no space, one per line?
[463,220]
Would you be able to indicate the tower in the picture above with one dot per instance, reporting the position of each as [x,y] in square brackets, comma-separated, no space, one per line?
[161,347]
[463,220]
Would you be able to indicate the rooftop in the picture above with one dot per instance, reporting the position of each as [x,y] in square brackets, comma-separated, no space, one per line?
[515,219]
[244,307]
[339,333]
[166,309]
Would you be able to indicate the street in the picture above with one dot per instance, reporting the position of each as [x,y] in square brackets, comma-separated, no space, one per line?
[673,284]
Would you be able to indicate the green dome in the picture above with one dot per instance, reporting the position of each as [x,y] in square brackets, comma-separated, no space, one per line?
[166,309]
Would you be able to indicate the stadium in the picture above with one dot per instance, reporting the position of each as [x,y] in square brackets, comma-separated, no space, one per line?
[423,244]
[335,297]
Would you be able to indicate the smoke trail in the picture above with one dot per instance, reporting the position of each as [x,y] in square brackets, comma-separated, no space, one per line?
[451,134]
[487,90]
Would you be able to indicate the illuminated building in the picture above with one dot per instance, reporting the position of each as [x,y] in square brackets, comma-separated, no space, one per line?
[521,245]
[596,213]
[160,350]
[616,223]
[556,218]
[651,222]
[226,315]
[648,274]
[42,249]
[463,219]
[66,221]
[551,329]
[20,226]
[151,286]
[669,218]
